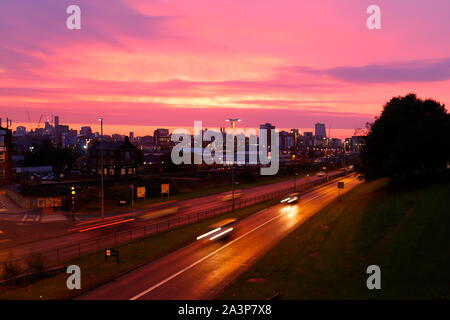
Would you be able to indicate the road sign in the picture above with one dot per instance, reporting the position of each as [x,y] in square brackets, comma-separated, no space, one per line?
[111,253]
[164,188]
[141,192]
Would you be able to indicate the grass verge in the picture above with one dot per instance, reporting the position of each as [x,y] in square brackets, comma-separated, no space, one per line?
[405,231]
[133,254]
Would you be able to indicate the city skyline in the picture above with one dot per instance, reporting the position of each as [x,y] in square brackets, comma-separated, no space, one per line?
[155,64]
[148,130]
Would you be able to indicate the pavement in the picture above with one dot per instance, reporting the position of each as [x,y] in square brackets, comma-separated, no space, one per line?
[203,269]
[8,206]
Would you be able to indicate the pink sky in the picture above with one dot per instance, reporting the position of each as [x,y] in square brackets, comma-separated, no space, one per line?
[146,64]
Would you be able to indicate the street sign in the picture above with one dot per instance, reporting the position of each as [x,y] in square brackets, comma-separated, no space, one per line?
[111,253]
[164,188]
[141,192]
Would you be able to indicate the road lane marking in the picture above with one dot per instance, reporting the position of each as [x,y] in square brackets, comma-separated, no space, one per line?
[143,293]
[201,260]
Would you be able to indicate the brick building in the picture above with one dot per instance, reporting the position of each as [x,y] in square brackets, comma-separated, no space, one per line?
[120,158]
[5,155]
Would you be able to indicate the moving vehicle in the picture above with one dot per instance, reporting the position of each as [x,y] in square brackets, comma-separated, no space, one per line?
[229,196]
[220,230]
[321,174]
[291,198]
[158,213]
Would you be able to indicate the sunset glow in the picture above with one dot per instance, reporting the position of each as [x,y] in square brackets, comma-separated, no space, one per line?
[146,64]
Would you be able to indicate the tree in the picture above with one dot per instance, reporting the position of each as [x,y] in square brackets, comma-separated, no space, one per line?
[411,138]
[47,154]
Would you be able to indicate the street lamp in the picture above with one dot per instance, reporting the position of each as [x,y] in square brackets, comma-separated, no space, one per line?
[102,192]
[295,181]
[233,122]
[233,126]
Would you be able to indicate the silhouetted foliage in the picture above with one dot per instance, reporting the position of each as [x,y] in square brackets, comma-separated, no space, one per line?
[11,268]
[410,139]
[47,154]
[36,262]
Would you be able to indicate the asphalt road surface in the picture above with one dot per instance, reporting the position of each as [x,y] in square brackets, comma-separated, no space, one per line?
[69,242]
[204,268]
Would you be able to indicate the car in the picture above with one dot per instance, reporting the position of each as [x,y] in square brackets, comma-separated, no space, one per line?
[159,213]
[291,198]
[219,231]
[229,196]
[321,174]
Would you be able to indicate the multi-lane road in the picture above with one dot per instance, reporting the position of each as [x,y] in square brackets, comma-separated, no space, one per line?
[70,240]
[204,268]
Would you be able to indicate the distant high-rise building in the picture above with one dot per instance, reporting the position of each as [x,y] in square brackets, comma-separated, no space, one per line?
[117,137]
[268,127]
[131,135]
[85,131]
[308,139]
[48,127]
[56,121]
[21,130]
[162,137]
[320,131]
[296,134]
[286,140]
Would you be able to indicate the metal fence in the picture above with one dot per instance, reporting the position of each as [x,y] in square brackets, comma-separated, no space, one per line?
[58,255]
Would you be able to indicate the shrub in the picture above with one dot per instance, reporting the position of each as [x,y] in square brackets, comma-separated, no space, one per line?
[35,262]
[11,269]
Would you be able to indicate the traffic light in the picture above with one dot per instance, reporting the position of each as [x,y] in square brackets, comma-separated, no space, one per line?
[73,192]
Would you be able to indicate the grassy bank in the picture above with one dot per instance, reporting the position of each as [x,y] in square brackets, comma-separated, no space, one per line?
[95,271]
[405,231]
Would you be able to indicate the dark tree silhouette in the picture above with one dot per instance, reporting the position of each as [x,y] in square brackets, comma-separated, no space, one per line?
[411,138]
[47,154]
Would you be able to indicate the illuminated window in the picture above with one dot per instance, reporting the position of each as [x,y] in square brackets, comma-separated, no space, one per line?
[2,157]
[2,141]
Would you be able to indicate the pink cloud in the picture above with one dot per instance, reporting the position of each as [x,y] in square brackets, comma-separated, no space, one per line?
[172,62]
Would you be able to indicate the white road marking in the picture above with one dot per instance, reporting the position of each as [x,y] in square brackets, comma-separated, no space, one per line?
[143,293]
[201,260]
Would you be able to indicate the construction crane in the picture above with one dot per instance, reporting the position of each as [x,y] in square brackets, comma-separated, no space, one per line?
[39,123]
[29,121]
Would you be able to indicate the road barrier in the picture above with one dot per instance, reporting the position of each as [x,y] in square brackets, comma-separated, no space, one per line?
[58,255]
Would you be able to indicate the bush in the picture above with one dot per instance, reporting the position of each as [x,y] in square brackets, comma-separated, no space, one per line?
[11,269]
[35,262]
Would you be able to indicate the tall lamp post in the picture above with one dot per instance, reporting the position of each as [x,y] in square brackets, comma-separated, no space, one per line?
[102,192]
[233,126]
[295,181]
